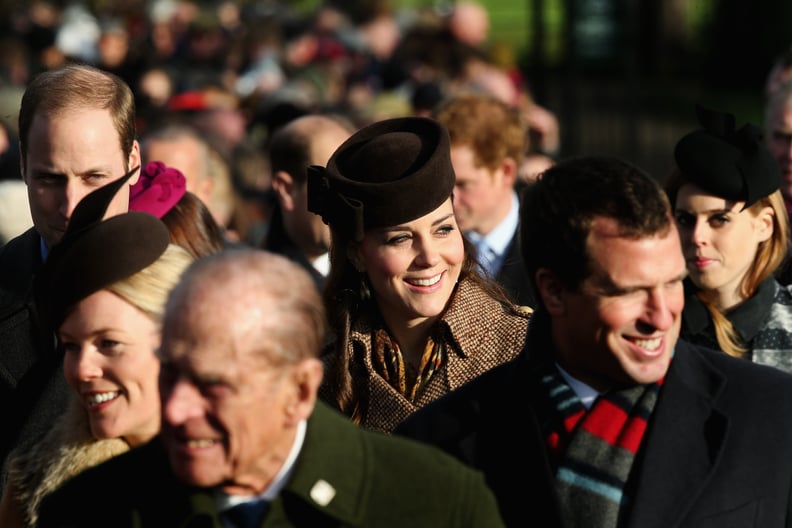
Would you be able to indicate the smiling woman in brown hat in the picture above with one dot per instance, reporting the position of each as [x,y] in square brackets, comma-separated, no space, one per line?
[102,289]
[734,231]
[412,317]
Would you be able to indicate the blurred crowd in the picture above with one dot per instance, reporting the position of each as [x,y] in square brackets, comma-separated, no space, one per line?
[236,71]
[409,255]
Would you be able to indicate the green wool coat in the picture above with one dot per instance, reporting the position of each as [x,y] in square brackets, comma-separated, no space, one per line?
[378,481]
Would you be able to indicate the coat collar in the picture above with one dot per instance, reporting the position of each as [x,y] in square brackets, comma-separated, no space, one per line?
[330,472]
[747,318]
[461,323]
[329,478]
[677,466]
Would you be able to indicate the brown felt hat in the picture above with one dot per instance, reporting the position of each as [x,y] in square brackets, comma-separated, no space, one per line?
[729,163]
[95,253]
[387,173]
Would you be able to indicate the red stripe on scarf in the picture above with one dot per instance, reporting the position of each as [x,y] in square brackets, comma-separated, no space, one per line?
[555,442]
[608,421]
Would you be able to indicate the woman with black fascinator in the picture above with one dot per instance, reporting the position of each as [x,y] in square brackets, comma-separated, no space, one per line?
[735,234]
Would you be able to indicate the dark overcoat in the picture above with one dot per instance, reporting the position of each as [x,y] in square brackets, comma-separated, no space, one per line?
[718,450]
[513,275]
[278,241]
[33,390]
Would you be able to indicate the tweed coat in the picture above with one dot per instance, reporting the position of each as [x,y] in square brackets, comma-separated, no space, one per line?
[33,390]
[479,335]
[376,481]
[764,322]
[718,450]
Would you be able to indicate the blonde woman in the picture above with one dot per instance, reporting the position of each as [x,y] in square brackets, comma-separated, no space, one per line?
[107,314]
[734,231]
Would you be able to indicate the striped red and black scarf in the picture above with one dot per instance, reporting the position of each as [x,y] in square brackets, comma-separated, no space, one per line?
[594,449]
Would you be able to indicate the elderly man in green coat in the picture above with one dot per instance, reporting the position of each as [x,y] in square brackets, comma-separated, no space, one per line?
[244,441]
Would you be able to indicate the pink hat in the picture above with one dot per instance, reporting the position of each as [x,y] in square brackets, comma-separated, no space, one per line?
[157,190]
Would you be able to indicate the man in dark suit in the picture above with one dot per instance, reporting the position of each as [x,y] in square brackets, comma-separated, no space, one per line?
[488,142]
[242,429]
[607,419]
[76,133]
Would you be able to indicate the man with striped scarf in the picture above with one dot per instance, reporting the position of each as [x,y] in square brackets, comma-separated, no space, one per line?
[607,419]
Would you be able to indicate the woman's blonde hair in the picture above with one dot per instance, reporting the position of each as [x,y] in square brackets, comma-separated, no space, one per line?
[148,289]
[768,259]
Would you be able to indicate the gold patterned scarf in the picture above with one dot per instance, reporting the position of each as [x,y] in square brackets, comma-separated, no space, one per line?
[389,363]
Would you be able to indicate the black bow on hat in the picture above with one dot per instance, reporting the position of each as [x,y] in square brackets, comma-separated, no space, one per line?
[95,253]
[732,163]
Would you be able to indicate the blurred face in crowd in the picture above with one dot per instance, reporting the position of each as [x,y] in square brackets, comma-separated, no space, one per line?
[482,196]
[69,155]
[307,229]
[720,240]
[414,267]
[110,361]
[190,157]
[779,142]
[620,326]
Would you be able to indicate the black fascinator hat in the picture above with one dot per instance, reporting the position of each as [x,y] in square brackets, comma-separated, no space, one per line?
[95,253]
[732,163]
[387,173]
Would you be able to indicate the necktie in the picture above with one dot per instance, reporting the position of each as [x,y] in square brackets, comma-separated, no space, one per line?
[245,515]
[486,257]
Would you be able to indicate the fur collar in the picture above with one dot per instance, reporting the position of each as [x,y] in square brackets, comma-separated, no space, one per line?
[66,450]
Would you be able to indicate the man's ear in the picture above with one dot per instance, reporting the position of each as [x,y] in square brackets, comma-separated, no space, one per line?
[306,376]
[509,170]
[134,161]
[283,185]
[550,289]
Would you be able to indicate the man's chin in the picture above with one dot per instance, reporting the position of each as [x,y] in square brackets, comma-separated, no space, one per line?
[193,476]
[52,236]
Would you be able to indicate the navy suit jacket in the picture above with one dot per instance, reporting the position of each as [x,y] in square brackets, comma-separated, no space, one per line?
[718,451]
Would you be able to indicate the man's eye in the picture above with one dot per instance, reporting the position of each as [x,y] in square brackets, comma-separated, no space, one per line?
[47,179]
